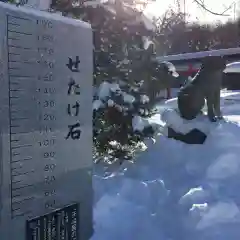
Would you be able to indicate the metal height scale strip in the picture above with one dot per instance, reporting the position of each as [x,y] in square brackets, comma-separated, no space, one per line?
[16,115]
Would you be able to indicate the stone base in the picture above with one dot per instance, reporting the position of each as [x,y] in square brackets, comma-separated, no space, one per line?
[195,136]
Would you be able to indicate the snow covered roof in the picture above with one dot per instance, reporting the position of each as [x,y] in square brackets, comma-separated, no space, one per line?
[233,67]
[196,55]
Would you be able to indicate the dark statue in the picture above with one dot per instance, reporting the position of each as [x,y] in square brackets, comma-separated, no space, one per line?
[206,85]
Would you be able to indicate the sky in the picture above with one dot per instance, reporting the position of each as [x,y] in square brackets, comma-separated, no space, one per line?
[196,12]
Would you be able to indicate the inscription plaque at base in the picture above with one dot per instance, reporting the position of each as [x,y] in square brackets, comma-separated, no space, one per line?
[61,224]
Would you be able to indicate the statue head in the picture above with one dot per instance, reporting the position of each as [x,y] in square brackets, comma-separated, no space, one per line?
[213,63]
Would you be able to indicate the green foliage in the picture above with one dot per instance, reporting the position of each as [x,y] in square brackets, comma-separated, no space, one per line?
[114,132]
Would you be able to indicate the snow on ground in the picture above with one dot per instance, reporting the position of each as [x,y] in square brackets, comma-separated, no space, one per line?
[175,191]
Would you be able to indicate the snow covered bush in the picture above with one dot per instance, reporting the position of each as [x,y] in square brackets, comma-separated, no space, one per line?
[119,111]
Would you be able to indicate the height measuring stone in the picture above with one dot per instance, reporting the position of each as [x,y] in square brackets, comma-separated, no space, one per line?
[46,66]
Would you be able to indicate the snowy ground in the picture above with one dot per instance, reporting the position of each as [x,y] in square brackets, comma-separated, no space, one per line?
[175,191]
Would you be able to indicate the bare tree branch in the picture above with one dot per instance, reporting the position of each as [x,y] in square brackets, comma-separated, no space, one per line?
[201,4]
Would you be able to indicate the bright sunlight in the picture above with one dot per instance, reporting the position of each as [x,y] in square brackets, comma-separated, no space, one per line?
[196,12]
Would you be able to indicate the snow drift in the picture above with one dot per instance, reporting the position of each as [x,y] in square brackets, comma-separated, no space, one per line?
[175,191]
